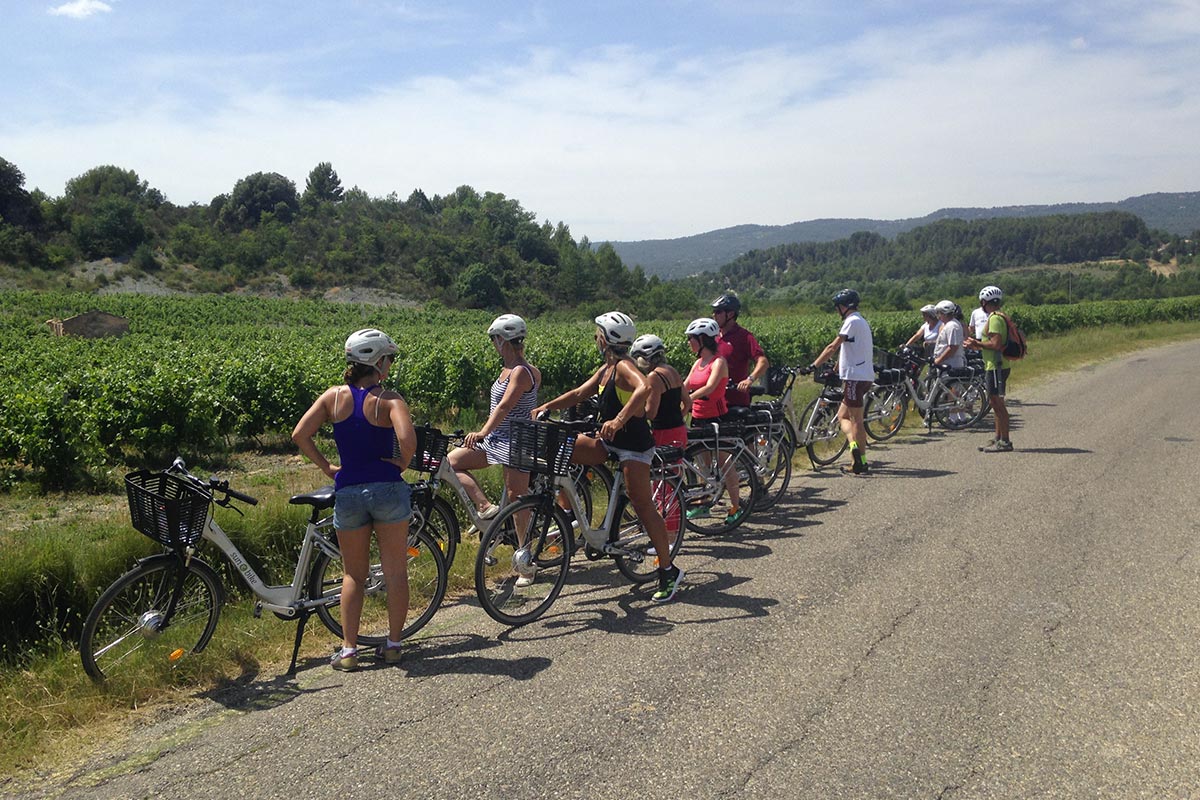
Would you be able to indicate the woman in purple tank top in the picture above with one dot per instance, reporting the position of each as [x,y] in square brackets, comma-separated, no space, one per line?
[371,493]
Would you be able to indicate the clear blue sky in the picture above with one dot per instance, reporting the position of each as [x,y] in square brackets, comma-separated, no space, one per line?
[625,120]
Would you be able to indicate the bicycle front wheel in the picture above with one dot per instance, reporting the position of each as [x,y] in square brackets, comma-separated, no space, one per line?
[883,411]
[711,509]
[427,580]
[523,560]
[128,633]
[961,403]
[827,440]
[667,493]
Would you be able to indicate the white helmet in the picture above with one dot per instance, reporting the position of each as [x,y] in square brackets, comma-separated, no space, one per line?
[703,326]
[989,294]
[946,307]
[368,346]
[928,308]
[508,327]
[647,346]
[618,328]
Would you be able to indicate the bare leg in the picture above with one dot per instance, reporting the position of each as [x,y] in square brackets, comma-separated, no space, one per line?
[355,545]
[463,459]
[637,487]
[393,555]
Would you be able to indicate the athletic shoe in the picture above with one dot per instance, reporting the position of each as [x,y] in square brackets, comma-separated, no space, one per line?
[490,511]
[998,446]
[668,584]
[735,515]
[344,662]
[698,511]
[857,468]
[389,655]
[525,579]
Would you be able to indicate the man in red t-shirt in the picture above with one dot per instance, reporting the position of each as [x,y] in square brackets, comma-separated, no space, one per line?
[739,348]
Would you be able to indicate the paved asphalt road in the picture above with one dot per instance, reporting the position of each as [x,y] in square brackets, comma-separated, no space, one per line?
[956,625]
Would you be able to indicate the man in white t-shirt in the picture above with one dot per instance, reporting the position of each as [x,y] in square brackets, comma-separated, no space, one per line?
[855,348]
[978,323]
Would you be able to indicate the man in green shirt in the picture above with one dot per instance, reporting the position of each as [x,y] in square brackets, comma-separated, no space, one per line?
[996,375]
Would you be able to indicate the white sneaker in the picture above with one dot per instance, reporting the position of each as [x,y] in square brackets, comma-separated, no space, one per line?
[524,579]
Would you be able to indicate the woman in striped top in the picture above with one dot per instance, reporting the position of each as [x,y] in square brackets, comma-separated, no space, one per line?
[513,396]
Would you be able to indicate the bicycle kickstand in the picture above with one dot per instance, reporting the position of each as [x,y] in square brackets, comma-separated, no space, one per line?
[301,621]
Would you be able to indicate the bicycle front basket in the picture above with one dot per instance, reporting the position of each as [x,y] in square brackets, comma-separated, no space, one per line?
[432,445]
[539,447]
[777,379]
[169,509]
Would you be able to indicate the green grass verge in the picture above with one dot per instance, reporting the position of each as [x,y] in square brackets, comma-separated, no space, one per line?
[51,712]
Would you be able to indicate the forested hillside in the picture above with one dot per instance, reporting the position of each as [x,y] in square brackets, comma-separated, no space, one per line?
[1108,253]
[1173,213]
[465,249]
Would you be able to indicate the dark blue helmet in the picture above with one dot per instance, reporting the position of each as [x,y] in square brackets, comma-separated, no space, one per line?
[847,298]
[727,302]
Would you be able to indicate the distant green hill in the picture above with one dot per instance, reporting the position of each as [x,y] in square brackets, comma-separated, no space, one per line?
[1177,213]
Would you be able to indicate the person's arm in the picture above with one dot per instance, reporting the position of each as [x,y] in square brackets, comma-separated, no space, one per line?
[918,335]
[717,376]
[760,366]
[991,343]
[572,397]
[403,427]
[519,381]
[632,378]
[829,350]
[307,427]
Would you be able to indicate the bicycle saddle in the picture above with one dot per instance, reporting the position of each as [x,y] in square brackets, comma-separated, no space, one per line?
[321,498]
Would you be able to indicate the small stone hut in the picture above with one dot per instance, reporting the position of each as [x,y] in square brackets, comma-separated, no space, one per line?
[90,325]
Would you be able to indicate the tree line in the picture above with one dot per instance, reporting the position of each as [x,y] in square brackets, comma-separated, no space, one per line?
[473,250]
[464,249]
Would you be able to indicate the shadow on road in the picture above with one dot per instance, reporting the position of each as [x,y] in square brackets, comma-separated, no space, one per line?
[1055,451]
[246,694]
[459,653]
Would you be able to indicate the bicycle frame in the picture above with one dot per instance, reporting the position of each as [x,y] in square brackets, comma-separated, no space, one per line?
[284,600]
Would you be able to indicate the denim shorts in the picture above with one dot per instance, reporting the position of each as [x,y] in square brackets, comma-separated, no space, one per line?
[364,503]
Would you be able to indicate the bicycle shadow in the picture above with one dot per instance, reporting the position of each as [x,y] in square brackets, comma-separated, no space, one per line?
[636,614]
[1054,451]
[244,693]
[459,654]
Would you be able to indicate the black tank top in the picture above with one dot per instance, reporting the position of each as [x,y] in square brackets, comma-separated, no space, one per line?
[670,407]
[636,434]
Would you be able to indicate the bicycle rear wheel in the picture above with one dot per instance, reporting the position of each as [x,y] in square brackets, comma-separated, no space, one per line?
[438,520]
[884,411]
[961,403]
[127,635]
[667,493]
[427,580]
[529,543]
[774,465]
[827,442]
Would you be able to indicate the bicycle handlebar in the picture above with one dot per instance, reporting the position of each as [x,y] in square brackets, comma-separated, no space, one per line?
[212,484]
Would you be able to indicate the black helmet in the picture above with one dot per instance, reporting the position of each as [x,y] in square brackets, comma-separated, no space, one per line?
[727,302]
[847,298]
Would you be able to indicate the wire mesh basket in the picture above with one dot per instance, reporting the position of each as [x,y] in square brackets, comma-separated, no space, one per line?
[170,510]
[885,359]
[777,379]
[432,445]
[540,447]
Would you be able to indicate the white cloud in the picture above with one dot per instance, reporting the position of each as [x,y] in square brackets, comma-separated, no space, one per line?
[80,9]
[624,143]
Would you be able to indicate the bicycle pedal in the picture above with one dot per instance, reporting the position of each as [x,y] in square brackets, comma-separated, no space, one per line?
[258,610]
